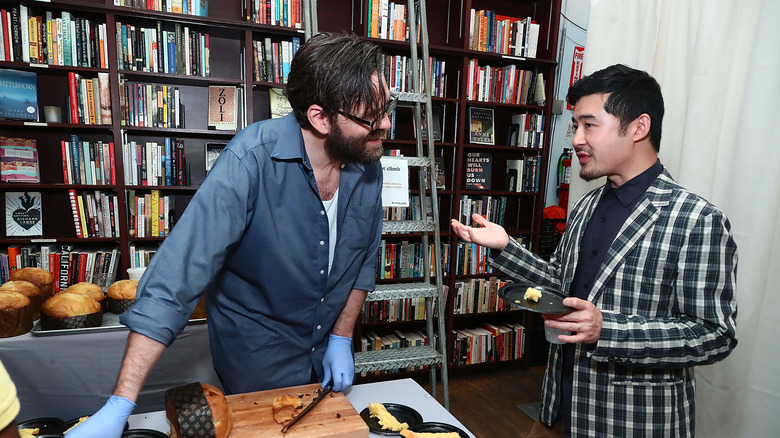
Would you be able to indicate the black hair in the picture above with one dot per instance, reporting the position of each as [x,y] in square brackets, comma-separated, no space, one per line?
[631,93]
[335,72]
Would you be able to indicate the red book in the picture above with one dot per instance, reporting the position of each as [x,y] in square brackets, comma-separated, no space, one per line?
[74,100]
[13,252]
[75,210]
[82,274]
[6,35]
[65,171]
[54,266]
[111,160]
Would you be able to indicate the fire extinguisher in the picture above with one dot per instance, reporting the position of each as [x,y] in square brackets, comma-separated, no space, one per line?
[564,177]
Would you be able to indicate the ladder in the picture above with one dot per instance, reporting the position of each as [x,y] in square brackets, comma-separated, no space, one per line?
[433,355]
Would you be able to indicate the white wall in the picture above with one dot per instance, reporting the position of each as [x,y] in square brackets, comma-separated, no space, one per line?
[573,27]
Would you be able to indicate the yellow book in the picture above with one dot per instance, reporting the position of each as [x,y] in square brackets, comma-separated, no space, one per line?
[32,26]
[83,216]
[155,213]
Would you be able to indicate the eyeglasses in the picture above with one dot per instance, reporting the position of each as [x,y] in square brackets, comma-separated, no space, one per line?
[391,104]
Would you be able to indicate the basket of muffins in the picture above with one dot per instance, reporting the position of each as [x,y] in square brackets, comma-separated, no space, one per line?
[21,299]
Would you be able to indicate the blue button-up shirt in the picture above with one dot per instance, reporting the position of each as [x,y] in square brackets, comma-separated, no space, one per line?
[254,240]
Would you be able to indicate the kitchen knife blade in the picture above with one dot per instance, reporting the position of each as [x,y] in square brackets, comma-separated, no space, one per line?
[325,391]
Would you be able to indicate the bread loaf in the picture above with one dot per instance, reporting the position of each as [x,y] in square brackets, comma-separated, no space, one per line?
[91,290]
[121,295]
[285,407]
[37,276]
[29,290]
[67,310]
[15,314]
[195,409]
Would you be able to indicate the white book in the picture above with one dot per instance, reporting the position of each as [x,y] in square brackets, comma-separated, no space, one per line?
[25,31]
[73,48]
[187,54]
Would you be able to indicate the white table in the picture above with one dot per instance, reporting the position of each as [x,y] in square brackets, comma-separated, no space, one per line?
[402,391]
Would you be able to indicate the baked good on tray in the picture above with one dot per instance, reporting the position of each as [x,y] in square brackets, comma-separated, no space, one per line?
[91,290]
[15,314]
[37,276]
[121,295]
[29,290]
[189,407]
[67,310]
[285,408]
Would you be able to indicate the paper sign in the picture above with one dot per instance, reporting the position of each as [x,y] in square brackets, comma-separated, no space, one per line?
[395,189]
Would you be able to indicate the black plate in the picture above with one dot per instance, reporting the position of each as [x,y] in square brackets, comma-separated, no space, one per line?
[434,427]
[143,433]
[403,414]
[550,302]
[70,423]
[46,425]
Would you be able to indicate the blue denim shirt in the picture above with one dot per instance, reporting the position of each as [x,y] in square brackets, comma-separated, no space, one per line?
[254,240]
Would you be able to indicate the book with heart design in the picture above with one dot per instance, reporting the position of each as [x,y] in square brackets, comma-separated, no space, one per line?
[23,214]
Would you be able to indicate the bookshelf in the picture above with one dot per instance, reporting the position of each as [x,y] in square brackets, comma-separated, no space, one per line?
[469,321]
[123,35]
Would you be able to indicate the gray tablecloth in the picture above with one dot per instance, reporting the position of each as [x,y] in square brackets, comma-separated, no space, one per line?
[68,376]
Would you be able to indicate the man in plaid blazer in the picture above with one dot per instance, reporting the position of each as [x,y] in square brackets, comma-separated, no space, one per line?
[648,267]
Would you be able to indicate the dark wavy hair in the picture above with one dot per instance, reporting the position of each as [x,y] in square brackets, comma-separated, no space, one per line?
[631,93]
[334,71]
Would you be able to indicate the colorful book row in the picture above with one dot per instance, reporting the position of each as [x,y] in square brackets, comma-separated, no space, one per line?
[272,59]
[189,7]
[150,105]
[155,164]
[180,51]
[488,344]
[67,264]
[88,163]
[404,260]
[491,32]
[149,215]
[46,39]
[95,213]
[287,13]
[504,84]
[398,72]
[479,295]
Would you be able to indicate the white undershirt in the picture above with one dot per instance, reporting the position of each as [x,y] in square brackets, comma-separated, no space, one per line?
[331,209]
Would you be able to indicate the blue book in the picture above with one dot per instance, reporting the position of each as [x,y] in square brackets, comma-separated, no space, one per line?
[167,160]
[296,44]
[18,95]
[171,52]
[74,148]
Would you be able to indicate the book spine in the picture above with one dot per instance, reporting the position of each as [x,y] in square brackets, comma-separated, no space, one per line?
[75,211]
[74,152]
[112,162]
[65,168]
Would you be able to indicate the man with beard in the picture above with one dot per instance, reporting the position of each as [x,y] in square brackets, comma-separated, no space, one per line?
[649,269]
[281,238]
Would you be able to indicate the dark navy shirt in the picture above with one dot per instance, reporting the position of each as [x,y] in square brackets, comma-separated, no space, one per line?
[611,213]
[254,240]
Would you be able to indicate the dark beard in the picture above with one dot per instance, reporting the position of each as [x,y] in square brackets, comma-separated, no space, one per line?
[352,150]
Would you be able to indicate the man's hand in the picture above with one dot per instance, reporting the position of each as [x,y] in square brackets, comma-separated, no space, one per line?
[586,321]
[108,422]
[490,235]
[338,363]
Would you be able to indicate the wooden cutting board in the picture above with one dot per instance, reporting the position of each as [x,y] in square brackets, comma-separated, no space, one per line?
[333,417]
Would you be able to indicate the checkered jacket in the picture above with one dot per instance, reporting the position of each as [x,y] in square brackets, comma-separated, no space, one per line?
[666,292]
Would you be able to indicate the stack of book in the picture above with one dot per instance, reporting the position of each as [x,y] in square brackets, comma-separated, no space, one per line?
[87,163]
[479,295]
[149,214]
[68,265]
[190,7]
[502,84]
[155,163]
[272,59]
[95,214]
[182,51]
[287,13]
[89,99]
[489,343]
[150,105]
[491,32]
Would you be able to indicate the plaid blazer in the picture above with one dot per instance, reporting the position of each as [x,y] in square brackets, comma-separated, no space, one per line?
[666,292]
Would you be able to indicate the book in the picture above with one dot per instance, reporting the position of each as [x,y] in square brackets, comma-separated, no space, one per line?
[18,95]
[19,160]
[280,106]
[441,177]
[23,215]
[514,175]
[223,107]
[212,152]
[479,169]
[481,126]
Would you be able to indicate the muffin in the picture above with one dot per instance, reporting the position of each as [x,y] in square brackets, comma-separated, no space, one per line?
[121,295]
[67,310]
[37,276]
[29,290]
[91,290]
[15,314]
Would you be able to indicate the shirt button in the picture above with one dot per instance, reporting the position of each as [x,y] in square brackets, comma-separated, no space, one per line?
[322,300]
[313,348]
[322,242]
[343,166]
[322,271]
[322,212]
[319,327]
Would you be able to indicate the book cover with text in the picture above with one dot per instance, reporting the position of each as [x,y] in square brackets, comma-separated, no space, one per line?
[23,215]
[481,126]
[18,95]
[479,170]
[19,160]
[223,107]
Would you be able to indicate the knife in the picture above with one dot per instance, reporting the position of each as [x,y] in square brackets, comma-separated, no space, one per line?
[323,392]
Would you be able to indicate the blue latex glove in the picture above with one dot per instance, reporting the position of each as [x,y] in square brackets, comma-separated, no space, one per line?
[108,422]
[338,363]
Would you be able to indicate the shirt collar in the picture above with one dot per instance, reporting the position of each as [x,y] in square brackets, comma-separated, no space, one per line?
[636,186]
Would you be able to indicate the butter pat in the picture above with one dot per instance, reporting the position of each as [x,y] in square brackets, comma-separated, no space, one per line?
[532,294]
[386,419]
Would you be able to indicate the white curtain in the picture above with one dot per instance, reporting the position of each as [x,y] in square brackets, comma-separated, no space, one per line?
[718,65]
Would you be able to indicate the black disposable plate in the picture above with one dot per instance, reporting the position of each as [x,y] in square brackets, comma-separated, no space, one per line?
[143,433]
[403,414]
[434,427]
[46,425]
[550,302]
[70,423]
